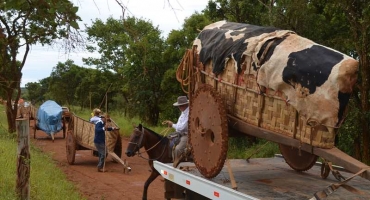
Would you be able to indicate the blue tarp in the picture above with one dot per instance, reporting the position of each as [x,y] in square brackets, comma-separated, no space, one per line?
[49,117]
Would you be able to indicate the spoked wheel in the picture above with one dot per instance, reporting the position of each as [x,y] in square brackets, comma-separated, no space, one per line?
[299,162]
[71,147]
[208,131]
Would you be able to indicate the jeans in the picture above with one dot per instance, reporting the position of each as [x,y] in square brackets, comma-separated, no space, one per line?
[179,149]
[101,152]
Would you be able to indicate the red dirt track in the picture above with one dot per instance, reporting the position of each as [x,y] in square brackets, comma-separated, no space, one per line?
[112,184]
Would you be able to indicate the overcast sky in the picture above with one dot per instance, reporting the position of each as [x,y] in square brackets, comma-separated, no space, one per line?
[41,60]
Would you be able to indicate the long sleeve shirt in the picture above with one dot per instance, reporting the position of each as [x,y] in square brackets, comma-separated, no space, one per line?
[94,119]
[182,123]
[100,132]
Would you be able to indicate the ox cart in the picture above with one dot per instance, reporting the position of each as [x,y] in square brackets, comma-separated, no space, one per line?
[80,136]
[49,118]
[271,84]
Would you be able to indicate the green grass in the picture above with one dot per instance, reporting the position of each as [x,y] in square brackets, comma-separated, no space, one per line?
[47,181]
[242,148]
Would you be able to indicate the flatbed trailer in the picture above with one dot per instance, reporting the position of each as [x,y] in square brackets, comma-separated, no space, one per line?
[261,178]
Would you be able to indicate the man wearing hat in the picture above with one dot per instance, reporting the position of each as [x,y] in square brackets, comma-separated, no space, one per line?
[181,126]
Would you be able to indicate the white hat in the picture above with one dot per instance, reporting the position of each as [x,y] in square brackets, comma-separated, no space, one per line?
[181,100]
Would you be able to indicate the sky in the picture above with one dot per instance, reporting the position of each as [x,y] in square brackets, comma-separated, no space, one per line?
[41,60]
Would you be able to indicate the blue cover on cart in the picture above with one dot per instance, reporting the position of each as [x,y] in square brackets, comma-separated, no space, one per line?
[49,117]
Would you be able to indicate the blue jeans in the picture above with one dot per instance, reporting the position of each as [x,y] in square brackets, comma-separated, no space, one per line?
[101,152]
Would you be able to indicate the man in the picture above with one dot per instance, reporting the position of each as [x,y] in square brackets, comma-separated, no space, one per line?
[181,126]
[99,140]
[96,115]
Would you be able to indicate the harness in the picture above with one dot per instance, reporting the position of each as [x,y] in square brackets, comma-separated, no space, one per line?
[139,144]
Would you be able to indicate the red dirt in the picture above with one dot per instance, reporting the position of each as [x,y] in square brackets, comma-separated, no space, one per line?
[112,184]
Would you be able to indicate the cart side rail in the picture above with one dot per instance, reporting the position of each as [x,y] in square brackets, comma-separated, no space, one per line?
[84,132]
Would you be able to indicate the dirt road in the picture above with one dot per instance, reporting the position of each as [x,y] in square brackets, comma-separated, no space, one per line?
[112,184]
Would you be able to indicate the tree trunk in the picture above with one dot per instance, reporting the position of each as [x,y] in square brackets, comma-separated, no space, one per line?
[11,113]
[365,107]
[357,147]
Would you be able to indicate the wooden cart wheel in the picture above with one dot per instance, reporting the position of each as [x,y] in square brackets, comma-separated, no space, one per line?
[299,162]
[208,131]
[71,147]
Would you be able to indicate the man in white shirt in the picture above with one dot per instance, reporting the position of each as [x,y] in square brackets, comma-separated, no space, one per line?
[181,126]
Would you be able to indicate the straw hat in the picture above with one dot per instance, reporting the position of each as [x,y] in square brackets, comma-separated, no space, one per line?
[181,100]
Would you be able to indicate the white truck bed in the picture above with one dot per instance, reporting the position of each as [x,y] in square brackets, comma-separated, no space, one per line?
[262,178]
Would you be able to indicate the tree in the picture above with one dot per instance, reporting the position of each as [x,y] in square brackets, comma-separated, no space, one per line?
[133,49]
[25,23]
[242,11]
[177,42]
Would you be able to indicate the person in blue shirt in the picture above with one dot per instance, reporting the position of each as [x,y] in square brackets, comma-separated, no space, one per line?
[99,140]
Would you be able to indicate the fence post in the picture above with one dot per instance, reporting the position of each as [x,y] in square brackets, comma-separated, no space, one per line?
[23,159]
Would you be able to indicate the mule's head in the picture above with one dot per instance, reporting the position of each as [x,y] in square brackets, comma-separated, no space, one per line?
[135,142]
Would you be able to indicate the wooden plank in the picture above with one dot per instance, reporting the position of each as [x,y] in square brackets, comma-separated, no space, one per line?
[232,178]
[126,167]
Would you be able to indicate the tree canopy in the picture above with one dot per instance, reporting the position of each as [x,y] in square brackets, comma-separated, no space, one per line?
[23,24]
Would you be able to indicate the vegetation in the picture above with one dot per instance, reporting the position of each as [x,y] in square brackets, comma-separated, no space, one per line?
[44,172]
[23,24]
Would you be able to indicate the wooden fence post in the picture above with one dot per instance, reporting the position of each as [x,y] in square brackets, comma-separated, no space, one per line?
[23,159]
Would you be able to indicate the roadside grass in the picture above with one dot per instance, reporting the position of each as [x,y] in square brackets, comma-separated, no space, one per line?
[47,181]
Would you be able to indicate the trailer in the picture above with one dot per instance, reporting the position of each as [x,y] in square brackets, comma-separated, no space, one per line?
[260,178]
[268,83]
[80,136]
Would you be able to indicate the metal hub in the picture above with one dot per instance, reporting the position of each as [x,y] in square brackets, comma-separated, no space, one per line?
[208,131]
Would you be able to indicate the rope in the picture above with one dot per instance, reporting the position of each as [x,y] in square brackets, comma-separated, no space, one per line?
[165,130]
[183,71]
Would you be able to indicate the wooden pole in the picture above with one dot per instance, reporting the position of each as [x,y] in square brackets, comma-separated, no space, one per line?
[23,159]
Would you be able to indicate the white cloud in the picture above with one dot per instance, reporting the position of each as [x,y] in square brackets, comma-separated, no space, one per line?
[41,60]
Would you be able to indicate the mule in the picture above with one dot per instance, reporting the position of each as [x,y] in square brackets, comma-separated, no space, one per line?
[156,146]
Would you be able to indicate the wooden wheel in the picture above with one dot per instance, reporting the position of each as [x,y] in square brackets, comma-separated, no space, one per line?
[208,131]
[71,147]
[302,161]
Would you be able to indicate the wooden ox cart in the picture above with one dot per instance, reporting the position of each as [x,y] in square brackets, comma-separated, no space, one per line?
[80,136]
[267,83]
[48,118]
